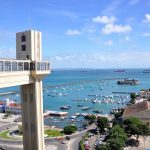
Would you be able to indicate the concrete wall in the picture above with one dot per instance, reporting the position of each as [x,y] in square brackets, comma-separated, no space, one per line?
[32,43]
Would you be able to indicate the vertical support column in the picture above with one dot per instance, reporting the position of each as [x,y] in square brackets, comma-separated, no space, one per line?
[32,116]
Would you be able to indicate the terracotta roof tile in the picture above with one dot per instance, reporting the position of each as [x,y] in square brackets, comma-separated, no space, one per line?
[135,108]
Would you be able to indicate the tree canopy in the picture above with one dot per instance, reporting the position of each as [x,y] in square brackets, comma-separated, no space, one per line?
[117,133]
[102,123]
[70,129]
[134,126]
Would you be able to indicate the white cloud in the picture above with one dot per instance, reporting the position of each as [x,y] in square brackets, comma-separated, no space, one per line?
[104,19]
[112,7]
[147,18]
[146,34]
[103,60]
[73,32]
[127,38]
[111,28]
[108,43]
[134,2]
[58,58]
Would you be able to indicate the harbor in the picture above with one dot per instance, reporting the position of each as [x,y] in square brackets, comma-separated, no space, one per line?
[91,92]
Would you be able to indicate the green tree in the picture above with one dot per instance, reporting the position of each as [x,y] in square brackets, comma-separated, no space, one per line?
[116,144]
[91,118]
[70,129]
[117,133]
[133,95]
[117,138]
[102,123]
[102,147]
[144,130]
[134,126]
[132,120]
[132,129]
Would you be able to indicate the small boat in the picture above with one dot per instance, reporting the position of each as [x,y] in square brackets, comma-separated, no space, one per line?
[77,114]
[97,111]
[73,120]
[60,94]
[55,121]
[62,118]
[64,107]
[73,117]
[79,105]
[85,108]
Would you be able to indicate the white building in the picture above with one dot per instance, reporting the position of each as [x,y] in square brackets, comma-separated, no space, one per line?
[144,94]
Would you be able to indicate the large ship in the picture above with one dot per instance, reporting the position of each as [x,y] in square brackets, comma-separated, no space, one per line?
[146,71]
[119,70]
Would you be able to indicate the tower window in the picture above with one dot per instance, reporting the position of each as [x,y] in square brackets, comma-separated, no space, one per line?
[23,47]
[23,38]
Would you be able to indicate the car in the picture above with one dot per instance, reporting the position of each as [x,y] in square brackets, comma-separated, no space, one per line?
[67,137]
[63,142]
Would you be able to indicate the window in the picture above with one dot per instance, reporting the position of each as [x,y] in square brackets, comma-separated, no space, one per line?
[23,47]
[23,38]
[20,66]
[7,66]
[1,65]
[14,66]
[26,66]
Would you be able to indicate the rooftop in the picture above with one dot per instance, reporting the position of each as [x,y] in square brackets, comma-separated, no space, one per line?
[136,108]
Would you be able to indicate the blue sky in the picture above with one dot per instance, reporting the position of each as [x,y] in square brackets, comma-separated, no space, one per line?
[81,33]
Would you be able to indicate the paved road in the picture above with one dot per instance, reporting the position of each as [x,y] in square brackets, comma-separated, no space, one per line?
[6,126]
[51,144]
[74,143]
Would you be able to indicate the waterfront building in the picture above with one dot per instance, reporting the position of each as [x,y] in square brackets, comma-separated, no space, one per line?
[140,110]
[144,94]
[16,109]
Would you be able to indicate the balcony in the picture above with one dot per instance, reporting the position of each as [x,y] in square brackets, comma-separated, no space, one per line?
[23,65]
[17,72]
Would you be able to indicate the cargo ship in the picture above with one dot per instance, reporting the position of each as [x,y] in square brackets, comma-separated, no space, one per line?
[119,70]
[146,71]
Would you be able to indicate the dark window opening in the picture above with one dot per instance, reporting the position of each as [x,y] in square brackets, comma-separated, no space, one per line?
[23,38]
[23,47]
[26,66]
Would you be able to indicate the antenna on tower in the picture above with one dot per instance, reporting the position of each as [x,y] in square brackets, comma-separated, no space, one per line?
[29,16]
[29,20]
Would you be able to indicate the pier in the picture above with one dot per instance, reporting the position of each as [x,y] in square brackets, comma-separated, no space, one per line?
[9,93]
[54,113]
[122,92]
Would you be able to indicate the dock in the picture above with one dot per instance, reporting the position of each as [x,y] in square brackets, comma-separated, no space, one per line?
[109,117]
[54,113]
[122,92]
[8,93]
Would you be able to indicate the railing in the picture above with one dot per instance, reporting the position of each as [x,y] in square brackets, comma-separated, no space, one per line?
[23,65]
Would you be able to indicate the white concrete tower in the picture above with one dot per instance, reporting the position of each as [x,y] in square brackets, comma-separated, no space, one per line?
[28,47]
